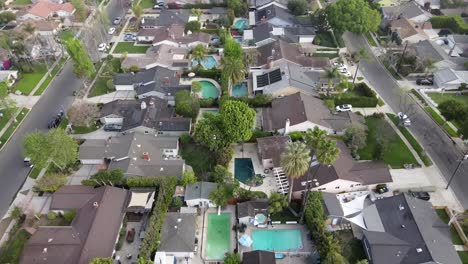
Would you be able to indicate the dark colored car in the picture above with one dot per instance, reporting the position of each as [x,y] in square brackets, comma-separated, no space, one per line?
[55,121]
[421,195]
[131,235]
[424,82]
[112,127]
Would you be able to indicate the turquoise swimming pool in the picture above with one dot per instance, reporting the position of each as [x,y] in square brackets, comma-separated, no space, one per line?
[243,169]
[209,62]
[277,239]
[209,90]
[241,24]
[240,90]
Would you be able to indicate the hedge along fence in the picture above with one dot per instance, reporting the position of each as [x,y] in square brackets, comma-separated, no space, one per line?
[454,23]
[166,189]
[363,96]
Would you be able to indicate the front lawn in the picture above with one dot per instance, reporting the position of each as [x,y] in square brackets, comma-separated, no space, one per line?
[370,39]
[130,48]
[351,248]
[394,152]
[199,157]
[456,240]
[4,120]
[11,251]
[100,87]
[439,120]
[85,130]
[439,97]
[325,39]
[463,256]
[28,81]
[22,2]
[66,34]
[12,128]
[34,172]
[49,78]
[147,3]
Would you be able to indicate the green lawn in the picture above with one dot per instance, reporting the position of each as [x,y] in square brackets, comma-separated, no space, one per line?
[11,251]
[64,123]
[100,87]
[147,3]
[439,97]
[370,39]
[4,120]
[463,256]
[84,130]
[49,78]
[35,172]
[351,248]
[439,120]
[395,154]
[456,240]
[130,48]
[326,55]
[28,81]
[22,2]
[199,157]
[11,129]
[325,39]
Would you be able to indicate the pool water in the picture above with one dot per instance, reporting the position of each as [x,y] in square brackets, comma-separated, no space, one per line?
[209,90]
[277,239]
[241,24]
[240,90]
[218,241]
[209,62]
[261,218]
[238,39]
[243,170]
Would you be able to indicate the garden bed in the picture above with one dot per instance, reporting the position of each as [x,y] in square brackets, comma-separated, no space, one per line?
[11,251]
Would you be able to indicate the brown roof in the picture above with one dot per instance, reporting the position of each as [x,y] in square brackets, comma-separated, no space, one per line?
[42,25]
[71,197]
[92,233]
[45,8]
[259,257]
[407,28]
[346,168]
[174,33]
[272,147]
[299,108]
[251,208]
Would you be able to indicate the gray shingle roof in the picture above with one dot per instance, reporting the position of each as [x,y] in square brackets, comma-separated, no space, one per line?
[251,208]
[332,204]
[272,147]
[262,32]
[199,190]
[274,11]
[165,55]
[408,10]
[429,50]
[178,232]
[258,257]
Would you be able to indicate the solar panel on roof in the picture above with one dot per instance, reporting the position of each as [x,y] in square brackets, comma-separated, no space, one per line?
[262,80]
[274,76]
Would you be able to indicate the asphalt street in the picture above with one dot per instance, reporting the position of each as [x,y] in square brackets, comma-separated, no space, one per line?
[435,141]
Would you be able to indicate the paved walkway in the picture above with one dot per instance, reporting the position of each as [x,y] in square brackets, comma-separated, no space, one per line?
[98,134]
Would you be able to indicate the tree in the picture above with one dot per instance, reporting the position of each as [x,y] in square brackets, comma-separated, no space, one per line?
[56,147]
[83,114]
[137,10]
[295,163]
[82,65]
[198,53]
[178,203]
[233,70]
[50,182]
[237,7]
[334,257]
[105,177]
[197,12]
[69,215]
[188,178]
[356,135]
[29,28]
[314,136]
[220,175]
[219,196]
[144,261]
[463,130]
[102,261]
[453,110]
[319,19]
[352,15]
[81,11]
[231,16]
[7,105]
[331,74]
[356,57]
[232,258]
[362,261]
[196,87]
[208,132]
[186,104]
[297,7]
[277,202]
[6,17]
[16,213]
[232,48]
[192,26]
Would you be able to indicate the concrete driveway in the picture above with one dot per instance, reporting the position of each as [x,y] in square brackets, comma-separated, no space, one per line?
[117,95]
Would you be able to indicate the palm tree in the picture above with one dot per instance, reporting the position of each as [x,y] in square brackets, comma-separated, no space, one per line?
[137,11]
[331,74]
[234,70]
[198,53]
[295,162]
[356,57]
[314,136]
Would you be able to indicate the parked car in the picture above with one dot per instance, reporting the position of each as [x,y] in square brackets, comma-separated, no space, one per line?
[111,31]
[344,108]
[403,117]
[27,162]
[421,195]
[56,120]
[117,21]
[102,47]
[424,81]
[131,235]
[112,127]
[158,6]
[129,37]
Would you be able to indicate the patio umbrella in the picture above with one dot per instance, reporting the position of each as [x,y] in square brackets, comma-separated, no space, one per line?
[191,74]
[245,240]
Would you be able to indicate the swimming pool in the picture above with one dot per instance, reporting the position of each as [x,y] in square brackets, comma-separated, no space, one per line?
[218,241]
[243,169]
[209,90]
[238,39]
[208,62]
[240,90]
[241,24]
[277,239]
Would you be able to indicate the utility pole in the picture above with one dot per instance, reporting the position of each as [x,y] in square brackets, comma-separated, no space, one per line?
[460,162]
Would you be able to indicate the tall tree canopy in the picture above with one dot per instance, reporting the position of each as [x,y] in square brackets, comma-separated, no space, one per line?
[353,15]
[82,65]
[297,7]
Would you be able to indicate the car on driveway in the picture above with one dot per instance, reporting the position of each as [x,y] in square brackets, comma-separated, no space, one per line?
[421,195]
[344,108]
[117,21]
[112,127]
[129,37]
[102,47]
[111,31]
[424,81]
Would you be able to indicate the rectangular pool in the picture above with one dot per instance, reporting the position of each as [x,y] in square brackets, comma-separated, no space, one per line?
[277,240]
[243,169]
[218,241]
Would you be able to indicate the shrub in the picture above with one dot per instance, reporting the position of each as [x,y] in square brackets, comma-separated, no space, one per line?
[186,104]
[185,139]
[296,135]
[208,102]
[134,182]
[212,31]
[364,90]
[256,133]
[50,182]
[69,216]
[261,100]
[178,203]
[209,73]
[455,23]
[51,215]
[224,156]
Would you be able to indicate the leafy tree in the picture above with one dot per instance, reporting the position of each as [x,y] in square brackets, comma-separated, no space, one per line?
[219,196]
[178,203]
[277,202]
[463,130]
[188,178]
[186,104]
[56,147]
[69,215]
[334,257]
[192,26]
[233,70]
[198,53]
[224,156]
[232,48]
[7,16]
[356,135]
[319,19]
[105,177]
[196,87]
[352,15]
[81,11]
[16,213]
[144,261]
[197,12]
[295,162]
[102,261]
[133,68]
[297,7]
[452,109]
[50,182]
[356,57]
[220,175]
[7,105]
[232,258]
[208,131]
[237,7]
[331,74]
[29,28]
[362,261]
[137,10]
[231,16]
[82,65]
[83,114]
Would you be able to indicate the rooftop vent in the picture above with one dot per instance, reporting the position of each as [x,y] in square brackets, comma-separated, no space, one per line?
[179,220]
[44,250]
[139,145]
[96,204]
[50,240]
[419,250]
[146,156]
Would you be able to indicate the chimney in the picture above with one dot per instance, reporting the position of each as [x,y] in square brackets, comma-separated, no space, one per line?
[143,105]
[96,204]
[286,127]
[44,250]
[269,64]
[146,156]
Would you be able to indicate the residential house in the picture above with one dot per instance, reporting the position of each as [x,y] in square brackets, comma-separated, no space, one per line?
[397,229]
[198,194]
[266,33]
[178,238]
[8,77]
[213,14]
[166,56]
[257,4]
[458,45]
[429,4]
[279,50]
[345,175]
[136,154]
[270,150]
[258,257]
[42,27]
[173,35]
[410,32]
[437,52]
[44,10]
[157,81]
[246,211]
[410,10]
[167,18]
[151,115]
[93,232]
[449,79]
[300,112]
[275,15]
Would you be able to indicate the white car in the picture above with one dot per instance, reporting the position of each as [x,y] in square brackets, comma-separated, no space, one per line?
[102,47]
[111,30]
[344,108]
[403,117]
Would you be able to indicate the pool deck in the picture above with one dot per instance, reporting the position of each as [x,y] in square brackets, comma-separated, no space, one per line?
[249,150]
[226,209]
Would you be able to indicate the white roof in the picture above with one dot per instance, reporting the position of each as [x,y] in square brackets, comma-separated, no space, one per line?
[248,34]
[141,200]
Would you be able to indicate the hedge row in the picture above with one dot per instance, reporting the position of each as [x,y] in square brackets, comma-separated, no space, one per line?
[139,182]
[455,23]
[151,241]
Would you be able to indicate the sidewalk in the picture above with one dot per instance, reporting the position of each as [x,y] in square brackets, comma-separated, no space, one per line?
[27,101]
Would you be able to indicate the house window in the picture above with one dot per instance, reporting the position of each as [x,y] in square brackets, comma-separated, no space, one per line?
[146,132]
[322,189]
[352,185]
[337,187]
